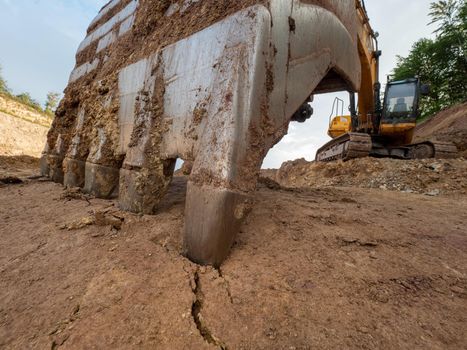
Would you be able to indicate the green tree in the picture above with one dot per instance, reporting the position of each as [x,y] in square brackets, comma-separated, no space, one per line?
[441,62]
[26,99]
[3,84]
[52,102]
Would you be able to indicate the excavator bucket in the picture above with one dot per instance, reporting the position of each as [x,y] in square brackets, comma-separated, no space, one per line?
[211,82]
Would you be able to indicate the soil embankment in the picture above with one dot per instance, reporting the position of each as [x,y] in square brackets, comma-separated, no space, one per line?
[448,125]
[429,176]
[23,131]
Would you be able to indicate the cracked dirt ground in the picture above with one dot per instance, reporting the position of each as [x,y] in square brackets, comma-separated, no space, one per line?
[329,268]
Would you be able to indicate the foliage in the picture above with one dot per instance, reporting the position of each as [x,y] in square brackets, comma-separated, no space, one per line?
[26,99]
[52,102]
[3,84]
[441,62]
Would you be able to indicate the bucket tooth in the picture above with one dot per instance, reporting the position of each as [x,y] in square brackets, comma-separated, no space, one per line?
[142,189]
[145,175]
[55,163]
[44,163]
[75,171]
[101,181]
[212,219]
[102,167]
[74,164]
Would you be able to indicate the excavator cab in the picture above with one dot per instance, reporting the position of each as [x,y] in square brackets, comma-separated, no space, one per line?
[401,102]
[400,110]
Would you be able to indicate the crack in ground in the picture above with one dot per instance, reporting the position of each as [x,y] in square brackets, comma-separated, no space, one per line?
[227,285]
[196,308]
[61,338]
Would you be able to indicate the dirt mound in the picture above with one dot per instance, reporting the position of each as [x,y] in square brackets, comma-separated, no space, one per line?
[448,125]
[429,176]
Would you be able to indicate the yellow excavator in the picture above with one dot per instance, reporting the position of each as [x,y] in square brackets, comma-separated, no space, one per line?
[380,129]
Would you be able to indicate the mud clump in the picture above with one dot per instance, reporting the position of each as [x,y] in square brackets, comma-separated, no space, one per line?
[98,218]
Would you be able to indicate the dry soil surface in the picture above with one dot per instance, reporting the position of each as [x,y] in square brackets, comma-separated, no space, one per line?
[322,267]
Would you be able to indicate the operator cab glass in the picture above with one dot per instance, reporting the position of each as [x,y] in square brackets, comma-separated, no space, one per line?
[400,103]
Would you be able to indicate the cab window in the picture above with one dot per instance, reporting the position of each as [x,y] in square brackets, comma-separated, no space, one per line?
[400,101]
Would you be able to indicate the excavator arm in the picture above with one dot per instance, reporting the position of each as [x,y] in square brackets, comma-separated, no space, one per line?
[365,114]
[369,94]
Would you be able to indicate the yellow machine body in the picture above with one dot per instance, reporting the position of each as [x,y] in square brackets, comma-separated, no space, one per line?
[391,123]
[340,125]
[400,133]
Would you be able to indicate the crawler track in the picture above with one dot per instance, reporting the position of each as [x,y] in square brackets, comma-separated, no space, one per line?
[359,145]
[348,146]
[444,149]
[431,149]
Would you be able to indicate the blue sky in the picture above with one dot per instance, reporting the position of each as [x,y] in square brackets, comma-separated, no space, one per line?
[39,38]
